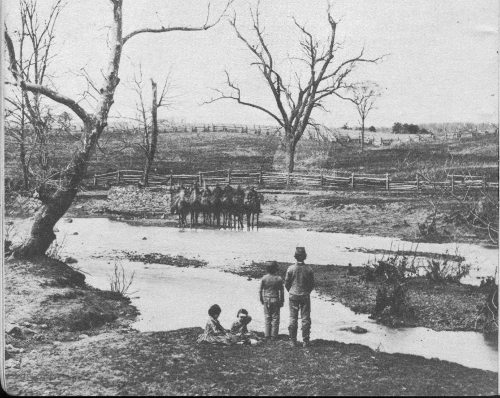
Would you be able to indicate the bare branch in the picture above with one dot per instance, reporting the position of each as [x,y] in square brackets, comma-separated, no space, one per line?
[237,98]
[207,25]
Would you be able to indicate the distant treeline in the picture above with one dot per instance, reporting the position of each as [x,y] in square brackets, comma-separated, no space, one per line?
[400,128]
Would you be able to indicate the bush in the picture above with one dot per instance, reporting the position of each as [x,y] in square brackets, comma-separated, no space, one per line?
[119,281]
[391,302]
[392,305]
[392,269]
[446,270]
[487,319]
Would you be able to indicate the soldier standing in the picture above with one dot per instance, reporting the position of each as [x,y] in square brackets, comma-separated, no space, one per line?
[299,282]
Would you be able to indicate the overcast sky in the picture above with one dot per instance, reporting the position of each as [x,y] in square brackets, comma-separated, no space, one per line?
[442,63]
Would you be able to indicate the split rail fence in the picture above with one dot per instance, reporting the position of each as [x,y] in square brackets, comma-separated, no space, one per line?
[280,180]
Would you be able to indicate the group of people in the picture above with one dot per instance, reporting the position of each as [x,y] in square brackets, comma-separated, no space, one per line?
[299,282]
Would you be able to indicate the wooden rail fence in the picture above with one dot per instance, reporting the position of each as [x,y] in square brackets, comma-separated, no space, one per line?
[280,180]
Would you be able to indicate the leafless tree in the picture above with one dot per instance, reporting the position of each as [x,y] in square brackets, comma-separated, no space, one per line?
[29,119]
[363,96]
[295,102]
[149,123]
[56,199]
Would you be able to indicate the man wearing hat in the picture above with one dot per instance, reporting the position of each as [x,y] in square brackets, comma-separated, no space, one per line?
[299,281]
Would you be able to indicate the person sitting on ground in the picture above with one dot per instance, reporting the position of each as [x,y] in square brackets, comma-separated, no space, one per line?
[240,325]
[240,328]
[214,332]
[272,296]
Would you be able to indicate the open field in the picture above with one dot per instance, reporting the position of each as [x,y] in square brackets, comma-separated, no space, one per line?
[193,152]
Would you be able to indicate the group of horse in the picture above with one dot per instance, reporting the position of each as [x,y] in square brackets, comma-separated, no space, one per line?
[219,207]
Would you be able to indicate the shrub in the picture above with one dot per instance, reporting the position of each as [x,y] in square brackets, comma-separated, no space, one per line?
[393,269]
[487,319]
[446,270]
[119,281]
[391,302]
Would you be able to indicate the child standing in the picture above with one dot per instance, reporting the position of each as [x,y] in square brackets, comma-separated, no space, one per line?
[272,297]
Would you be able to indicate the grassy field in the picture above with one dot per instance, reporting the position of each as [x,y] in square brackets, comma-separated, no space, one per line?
[189,152]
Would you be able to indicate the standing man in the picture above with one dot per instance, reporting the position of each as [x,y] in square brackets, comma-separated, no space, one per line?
[299,282]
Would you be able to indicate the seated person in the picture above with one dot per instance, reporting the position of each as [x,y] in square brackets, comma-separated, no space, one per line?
[240,329]
[214,332]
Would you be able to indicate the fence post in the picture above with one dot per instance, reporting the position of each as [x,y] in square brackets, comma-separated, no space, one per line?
[95,181]
[387,181]
[118,176]
[260,175]
[418,183]
[171,180]
[352,180]
[321,179]
[452,183]
[484,182]
[229,176]
[287,180]
[200,178]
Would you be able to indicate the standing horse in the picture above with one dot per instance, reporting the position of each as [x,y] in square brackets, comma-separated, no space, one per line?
[205,205]
[195,204]
[216,204]
[180,205]
[227,206]
[252,208]
[238,207]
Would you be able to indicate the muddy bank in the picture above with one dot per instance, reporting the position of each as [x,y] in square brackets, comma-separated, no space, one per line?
[171,363]
[445,306]
[47,301]
[65,337]
[437,306]
[385,214]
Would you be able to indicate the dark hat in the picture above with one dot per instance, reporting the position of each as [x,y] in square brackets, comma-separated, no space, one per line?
[300,251]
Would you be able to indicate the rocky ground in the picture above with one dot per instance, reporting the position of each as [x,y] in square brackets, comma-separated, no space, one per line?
[64,337]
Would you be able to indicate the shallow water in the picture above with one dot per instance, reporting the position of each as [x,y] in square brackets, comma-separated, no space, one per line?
[170,297]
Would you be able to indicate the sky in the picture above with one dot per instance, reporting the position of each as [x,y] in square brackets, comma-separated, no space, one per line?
[440,57]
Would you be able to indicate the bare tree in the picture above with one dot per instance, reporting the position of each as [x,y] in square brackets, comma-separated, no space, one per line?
[56,199]
[295,101]
[363,96]
[149,123]
[30,120]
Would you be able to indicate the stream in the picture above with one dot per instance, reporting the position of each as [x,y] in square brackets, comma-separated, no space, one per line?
[170,298]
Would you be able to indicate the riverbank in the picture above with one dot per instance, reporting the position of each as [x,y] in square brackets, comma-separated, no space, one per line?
[437,306]
[74,339]
[406,216]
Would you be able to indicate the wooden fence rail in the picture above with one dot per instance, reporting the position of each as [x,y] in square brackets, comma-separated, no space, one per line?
[280,180]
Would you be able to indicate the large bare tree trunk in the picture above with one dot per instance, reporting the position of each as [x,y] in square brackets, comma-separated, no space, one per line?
[362,135]
[24,164]
[291,155]
[151,150]
[56,200]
